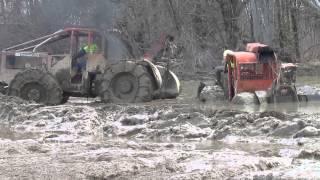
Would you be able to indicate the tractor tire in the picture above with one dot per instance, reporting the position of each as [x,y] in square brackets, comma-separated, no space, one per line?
[219,71]
[245,98]
[65,99]
[36,85]
[224,84]
[3,88]
[290,96]
[126,82]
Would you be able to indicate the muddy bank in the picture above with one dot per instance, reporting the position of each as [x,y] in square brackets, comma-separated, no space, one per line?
[126,160]
[164,140]
[154,121]
[185,122]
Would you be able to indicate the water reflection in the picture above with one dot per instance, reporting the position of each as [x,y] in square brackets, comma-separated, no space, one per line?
[254,147]
[307,108]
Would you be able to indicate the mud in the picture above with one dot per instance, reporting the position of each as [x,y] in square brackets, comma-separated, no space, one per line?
[165,139]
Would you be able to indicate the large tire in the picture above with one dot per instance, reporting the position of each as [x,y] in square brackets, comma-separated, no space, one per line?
[224,84]
[65,99]
[219,70]
[245,98]
[3,88]
[36,85]
[290,96]
[126,82]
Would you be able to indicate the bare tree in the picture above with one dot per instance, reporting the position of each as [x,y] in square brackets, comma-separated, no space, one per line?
[202,29]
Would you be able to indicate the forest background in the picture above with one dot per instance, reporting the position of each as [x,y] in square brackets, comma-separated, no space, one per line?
[202,29]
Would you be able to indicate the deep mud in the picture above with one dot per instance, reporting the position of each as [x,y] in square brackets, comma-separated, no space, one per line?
[166,139]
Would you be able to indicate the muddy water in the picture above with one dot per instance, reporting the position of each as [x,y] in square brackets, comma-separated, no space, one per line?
[164,139]
[8,132]
[251,147]
[308,108]
[308,80]
[310,83]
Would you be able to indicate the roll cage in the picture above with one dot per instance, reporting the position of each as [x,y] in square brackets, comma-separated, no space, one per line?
[74,34]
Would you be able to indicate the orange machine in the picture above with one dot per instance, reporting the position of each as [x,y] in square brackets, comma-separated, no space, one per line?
[255,69]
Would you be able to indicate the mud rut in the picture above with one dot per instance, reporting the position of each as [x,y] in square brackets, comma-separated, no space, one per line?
[167,139]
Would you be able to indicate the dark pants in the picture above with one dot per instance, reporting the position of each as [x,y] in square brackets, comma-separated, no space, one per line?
[81,53]
[78,61]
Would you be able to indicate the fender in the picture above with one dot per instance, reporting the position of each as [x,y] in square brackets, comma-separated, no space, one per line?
[155,72]
[171,84]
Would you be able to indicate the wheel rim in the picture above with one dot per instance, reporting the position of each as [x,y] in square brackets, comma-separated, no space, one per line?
[124,86]
[33,92]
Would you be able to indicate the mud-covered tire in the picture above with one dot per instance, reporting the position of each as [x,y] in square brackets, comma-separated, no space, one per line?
[245,98]
[3,88]
[36,85]
[289,97]
[126,82]
[218,72]
[65,99]
[224,84]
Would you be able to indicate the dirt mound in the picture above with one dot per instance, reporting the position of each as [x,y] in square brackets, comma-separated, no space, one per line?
[171,122]
[14,108]
[53,123]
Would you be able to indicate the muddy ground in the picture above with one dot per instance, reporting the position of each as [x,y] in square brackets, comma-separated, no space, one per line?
[165,139]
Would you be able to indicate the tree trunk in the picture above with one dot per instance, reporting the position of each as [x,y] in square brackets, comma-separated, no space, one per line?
[294,20]
[230,22]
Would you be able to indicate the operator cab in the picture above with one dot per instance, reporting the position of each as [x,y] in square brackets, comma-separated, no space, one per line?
[57,53]
[86,44]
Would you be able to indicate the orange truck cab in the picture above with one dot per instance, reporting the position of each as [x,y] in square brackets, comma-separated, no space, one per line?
[252,70]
